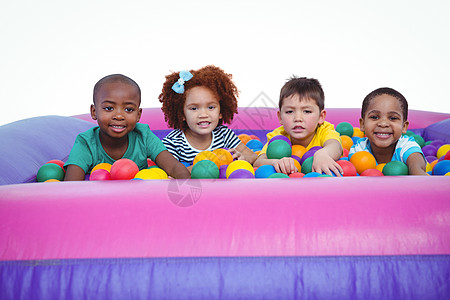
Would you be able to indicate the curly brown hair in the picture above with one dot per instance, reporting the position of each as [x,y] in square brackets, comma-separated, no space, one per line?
[212,77]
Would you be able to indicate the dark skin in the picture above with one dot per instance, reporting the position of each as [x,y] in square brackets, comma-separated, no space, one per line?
[116,109]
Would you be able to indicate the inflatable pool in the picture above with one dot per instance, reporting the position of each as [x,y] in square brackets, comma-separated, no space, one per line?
[317,238]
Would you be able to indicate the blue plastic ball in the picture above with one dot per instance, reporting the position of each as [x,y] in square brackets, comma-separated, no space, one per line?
[442,167]
[264,171]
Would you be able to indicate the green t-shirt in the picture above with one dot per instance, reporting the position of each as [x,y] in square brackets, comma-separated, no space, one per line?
[87,151]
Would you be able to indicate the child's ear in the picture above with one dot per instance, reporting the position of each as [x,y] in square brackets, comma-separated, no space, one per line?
[279,116]
[361,124]
[139,115]
[405,127]
[93,115]
[322,116]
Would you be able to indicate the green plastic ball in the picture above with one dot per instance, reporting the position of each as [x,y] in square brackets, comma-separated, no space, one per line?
[419,140]
[307,165]
[205,169]
[345,128]
[279,149]
[395,168]
[409,132]
[278,175]
[50,171]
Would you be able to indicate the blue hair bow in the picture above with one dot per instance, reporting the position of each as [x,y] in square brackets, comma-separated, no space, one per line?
[178,86]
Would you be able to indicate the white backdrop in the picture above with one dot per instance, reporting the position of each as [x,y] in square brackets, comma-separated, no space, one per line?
[53,52]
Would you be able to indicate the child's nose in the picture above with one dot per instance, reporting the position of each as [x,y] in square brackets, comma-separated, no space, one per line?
[119,115]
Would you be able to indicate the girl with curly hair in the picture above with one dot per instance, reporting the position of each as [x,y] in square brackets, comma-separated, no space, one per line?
[196,104]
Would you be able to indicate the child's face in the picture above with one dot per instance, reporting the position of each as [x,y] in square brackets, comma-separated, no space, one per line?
[201,110]
[383,122]
[116,109]
[300,118]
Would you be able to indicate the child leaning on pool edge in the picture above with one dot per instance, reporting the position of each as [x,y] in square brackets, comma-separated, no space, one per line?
[384,118]
[302,116]
[196,103]
[118,135]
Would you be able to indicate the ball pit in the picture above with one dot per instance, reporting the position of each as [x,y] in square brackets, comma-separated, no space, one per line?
[240,238]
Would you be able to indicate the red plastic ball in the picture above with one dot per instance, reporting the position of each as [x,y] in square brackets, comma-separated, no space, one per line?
[296,175]
[100,174]
[372,172]
[348,168]
[58,162]
[124,169]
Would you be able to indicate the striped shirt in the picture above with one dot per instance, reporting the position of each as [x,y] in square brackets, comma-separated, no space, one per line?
[178,145]
[405,146]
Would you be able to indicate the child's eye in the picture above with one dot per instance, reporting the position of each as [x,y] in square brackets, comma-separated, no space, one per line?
[373,117]
[307,111]
[394,118]
[108,108]
[289,112]
[211,107]
[129,109]
[192,108]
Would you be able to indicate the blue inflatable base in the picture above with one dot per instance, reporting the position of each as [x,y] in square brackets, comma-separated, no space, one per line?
[339,277]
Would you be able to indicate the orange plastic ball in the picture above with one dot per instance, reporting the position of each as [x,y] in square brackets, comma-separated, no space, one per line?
[254,137]
[208,155]
[298,150]
[244,138]
[224,156]
[357,132]
[362,161]
[347,142]
[380,167]
[104,166]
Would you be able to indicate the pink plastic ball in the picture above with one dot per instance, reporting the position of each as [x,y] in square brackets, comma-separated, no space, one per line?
[100,174]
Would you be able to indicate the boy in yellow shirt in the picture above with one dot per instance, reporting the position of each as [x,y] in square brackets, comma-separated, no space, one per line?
[302,116]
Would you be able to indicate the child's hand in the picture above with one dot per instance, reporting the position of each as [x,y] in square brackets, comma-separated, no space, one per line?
[235,154]
[285,165]
[323,163]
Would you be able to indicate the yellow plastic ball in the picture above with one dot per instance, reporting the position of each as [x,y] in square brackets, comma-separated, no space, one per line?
[208,155]
[239,164]
[380,167]
[347,142]
[357,132]
[52,180]
[443,150]
[224,157]
[153,173]
[104,166]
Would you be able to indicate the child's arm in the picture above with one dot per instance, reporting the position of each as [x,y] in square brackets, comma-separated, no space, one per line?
[74,173]
[285,165]
[416,164]
[325,158]
[244,153]
[171,165]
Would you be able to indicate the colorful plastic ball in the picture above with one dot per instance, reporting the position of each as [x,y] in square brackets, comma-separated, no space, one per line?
[254,137]
[150,163]
[363,160]
[207,155]
[244,138]
[254,145]
[325,175]
[205,169]
[442,167]
[282,138]
[345,153]
[345,128]
[264,171]
[429,150]
[348,168]
[447,156]
[298,150]
[50,171]
[278,149]
[297,165]
[409,133]
[357,132]
[241,173]
[296,175]
[58,162]
[447,174]
[380,167]
[372,172]
[52,180]
[224,156]
[278,175]
[443,150]
[100,174]
[395,168]
[419,140]
[437,143]
[151,173]
[104,166]
[123,169]
[309,153]
[307,165]
[239,164]
[347,142]
[312,174]
[223,171]
[296,158]
[430,158]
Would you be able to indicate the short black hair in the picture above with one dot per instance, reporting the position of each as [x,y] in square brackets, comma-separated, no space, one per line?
[305,88]
[385,91]
[116,78]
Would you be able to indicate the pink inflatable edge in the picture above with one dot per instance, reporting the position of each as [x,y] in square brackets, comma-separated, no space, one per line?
[253,217]
[266,118]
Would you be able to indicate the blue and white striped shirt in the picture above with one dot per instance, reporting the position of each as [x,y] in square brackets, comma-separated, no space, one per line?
[405,146]
[178,145]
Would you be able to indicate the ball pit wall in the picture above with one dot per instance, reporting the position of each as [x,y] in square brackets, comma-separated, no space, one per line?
[322,238]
